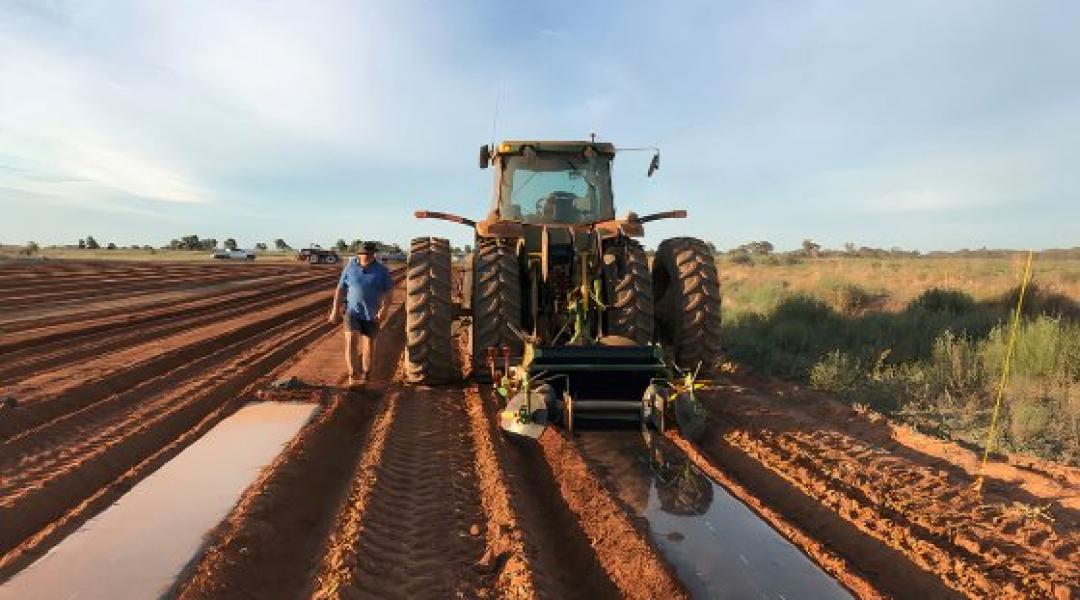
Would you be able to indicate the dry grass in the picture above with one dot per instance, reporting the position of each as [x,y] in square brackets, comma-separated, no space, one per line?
[892,282]
[922,340]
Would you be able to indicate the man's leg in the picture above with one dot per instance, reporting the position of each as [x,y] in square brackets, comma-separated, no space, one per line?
[350,350]
[367,346]
[370,330]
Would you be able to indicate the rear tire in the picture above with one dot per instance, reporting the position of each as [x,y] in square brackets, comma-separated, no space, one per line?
[331,259]
[628,288]
[496,302]
[686,288]
[428,312]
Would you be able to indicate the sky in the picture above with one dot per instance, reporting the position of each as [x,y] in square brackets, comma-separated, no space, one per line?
[922,124]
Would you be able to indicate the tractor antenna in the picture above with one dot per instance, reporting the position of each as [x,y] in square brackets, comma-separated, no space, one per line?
[592,135]
[495,117]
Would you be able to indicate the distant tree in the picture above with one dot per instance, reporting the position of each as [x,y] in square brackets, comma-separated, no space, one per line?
[280,244]
[135,247]
[849,248]
[260,246]
[712,248]
[209,244]
[810,248]
[91,243]
[741,257]
[82,244]
[31,248]
[230,244]
[187,242]
[355,245]
[341,245]
[111,246]
[467,248]
[763,247]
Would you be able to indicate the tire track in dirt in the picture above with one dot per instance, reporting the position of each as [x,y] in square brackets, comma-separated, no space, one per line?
[505,552]
[919,515]
[76,286]
[625,554]
[419,535]
[64,392]
[556,550]
[119,287]
[337,569]
[299,495]
[55,329]
[37,319]
[138,328]
[28,458]
[55,511]
[40,486]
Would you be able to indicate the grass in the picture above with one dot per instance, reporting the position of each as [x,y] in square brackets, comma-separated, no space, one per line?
[914,348]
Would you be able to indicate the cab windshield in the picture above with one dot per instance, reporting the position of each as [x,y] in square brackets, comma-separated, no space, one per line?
[555,188]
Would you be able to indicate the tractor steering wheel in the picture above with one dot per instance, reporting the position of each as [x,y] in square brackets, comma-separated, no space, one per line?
[549,207]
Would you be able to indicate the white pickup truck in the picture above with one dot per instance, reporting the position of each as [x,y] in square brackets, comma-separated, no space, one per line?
[238,254]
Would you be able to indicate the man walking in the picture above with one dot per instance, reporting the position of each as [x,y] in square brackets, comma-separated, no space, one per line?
[365,283]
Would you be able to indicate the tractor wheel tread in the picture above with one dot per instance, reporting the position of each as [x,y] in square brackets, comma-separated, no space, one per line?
[428,314]
[496,301]
[686,287]
[629,292]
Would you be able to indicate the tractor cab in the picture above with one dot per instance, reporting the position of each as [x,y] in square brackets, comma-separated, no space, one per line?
[553,183]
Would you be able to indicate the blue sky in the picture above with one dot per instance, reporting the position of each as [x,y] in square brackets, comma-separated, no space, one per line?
[928,125]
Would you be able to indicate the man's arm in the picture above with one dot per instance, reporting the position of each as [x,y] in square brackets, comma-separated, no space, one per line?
[335,309]
[384,301]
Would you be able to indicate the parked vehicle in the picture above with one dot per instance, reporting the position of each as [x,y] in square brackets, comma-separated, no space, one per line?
[315,255]
[237,254]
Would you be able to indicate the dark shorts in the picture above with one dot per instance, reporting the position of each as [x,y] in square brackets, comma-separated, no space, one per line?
[354,323]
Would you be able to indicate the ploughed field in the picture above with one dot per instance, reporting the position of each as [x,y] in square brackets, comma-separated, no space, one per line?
[393,491]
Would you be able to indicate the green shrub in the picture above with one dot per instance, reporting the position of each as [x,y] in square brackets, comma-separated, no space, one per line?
[1029,422]
[942,300]
[846,297]
[936,364]
[742,258]
[1041,301]
[837,373]
[954,367]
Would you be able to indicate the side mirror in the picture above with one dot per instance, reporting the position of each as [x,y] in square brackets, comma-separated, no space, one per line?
[485,156]
[654,165]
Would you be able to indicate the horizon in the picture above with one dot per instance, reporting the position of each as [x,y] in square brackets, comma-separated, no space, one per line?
[921,126]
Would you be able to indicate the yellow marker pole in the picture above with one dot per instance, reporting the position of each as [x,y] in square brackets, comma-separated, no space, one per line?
[1004,375]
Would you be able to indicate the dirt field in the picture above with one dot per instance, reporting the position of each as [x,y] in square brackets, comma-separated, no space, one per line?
[403,492]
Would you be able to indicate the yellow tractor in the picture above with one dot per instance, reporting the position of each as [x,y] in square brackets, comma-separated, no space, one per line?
[566,315]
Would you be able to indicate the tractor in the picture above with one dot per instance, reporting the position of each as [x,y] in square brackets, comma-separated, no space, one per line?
[564,312]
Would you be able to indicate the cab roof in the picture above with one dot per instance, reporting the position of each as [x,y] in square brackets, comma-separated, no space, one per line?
[516,146]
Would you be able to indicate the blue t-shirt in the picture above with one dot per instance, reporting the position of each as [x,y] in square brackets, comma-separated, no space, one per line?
[364,287]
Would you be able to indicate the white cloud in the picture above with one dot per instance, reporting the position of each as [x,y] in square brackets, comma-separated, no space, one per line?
[66,144]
